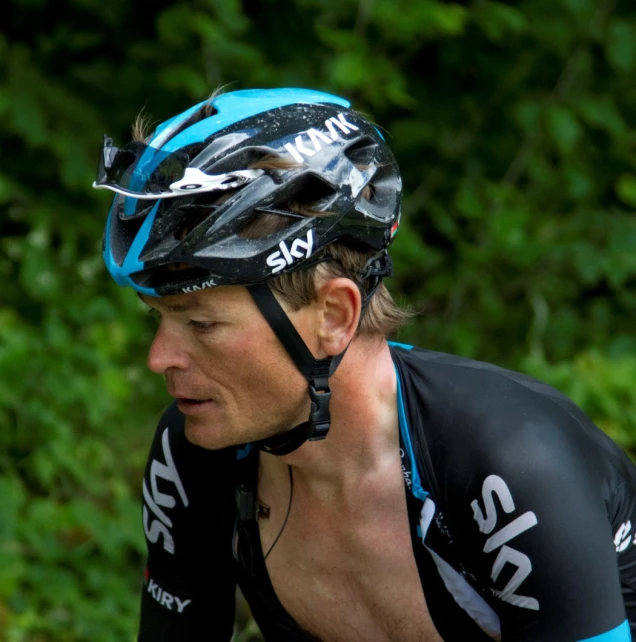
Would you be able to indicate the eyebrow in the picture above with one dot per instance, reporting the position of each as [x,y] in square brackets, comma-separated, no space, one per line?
[172,307]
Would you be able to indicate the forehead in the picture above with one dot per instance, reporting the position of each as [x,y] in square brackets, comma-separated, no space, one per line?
[210,299]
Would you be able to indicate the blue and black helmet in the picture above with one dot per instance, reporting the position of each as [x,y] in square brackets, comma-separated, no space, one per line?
[184,195]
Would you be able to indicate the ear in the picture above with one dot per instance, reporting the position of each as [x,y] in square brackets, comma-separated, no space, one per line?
[340,307]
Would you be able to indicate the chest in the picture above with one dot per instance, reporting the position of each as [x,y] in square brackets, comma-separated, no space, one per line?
[346,575]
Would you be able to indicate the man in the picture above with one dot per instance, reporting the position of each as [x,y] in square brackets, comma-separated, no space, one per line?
[353,489]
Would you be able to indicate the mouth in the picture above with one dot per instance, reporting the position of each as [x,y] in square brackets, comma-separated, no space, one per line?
[193,406]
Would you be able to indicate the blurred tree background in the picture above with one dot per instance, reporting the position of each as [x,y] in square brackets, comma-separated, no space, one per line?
[514,124]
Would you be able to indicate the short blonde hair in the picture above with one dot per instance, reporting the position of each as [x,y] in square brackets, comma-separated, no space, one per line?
[381,317]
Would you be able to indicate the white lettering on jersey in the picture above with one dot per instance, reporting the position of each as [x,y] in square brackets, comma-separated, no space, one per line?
[171,602]
[405,473]
[623,536]
[318,139]
[286,256]
[495,485]
[492,485]
[157,500]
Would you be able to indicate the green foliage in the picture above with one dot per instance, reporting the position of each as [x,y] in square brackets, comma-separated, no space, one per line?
[604,386]
[513,124]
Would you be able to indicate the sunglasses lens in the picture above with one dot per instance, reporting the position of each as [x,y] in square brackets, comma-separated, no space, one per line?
[139,168]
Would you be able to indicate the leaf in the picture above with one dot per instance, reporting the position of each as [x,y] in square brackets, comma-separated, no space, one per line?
[602,112]
[498,20]
[564,128]
[176,25]
[626,189]
[350,70]
[528,113]
[621,45]
[469,201]
[582,9]
[404,21]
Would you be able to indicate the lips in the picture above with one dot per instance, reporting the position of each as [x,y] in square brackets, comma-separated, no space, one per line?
[189,405]
[193,406]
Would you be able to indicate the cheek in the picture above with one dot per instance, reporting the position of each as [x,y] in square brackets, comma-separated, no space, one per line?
[252,366]
[245,356]
[264,364]
[245,348]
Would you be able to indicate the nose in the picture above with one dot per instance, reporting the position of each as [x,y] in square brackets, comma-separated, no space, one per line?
[167,351]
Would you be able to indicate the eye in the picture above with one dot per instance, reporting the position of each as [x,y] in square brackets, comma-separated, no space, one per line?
[202,326]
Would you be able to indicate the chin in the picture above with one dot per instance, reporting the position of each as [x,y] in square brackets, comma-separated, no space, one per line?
[199,434]
[205,434]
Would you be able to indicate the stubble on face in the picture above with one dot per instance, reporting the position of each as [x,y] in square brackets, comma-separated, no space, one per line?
[255,389]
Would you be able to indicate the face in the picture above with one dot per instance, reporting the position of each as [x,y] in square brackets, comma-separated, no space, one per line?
[232,378]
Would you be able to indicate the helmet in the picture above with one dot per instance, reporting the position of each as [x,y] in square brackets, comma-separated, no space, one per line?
[183,195]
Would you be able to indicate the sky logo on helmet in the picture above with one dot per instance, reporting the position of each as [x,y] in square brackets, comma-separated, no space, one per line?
[317,139]
[299,249]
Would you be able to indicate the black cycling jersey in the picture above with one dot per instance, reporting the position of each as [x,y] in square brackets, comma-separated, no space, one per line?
[521,514]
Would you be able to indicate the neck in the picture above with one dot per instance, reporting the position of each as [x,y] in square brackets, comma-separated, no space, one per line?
[363,437]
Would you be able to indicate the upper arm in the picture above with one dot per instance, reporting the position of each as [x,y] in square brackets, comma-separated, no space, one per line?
[535,522]
[189,587]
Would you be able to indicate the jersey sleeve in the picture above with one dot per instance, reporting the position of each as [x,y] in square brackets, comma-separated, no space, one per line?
[189,588]
[529,507]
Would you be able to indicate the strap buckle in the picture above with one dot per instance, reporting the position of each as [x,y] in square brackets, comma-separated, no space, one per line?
[379,265]
[319,417]
[376,268]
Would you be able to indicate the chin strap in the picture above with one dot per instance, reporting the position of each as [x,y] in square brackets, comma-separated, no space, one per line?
[316,371]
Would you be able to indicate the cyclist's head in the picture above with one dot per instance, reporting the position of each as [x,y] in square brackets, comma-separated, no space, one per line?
[255,187]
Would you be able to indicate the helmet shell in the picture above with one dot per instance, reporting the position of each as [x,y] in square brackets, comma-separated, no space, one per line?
[330,153]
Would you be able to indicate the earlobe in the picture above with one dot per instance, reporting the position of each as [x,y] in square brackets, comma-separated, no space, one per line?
[340,304]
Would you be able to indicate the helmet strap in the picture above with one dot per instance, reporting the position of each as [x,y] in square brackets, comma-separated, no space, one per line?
[316,371]
[375,269]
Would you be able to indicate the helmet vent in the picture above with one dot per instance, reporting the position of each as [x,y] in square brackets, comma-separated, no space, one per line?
[362,152]
[189,221]
[209,109]
[312,196]
[369,192]
[123,235]
[250,158]
[196,214]
[206,111]
[264,224]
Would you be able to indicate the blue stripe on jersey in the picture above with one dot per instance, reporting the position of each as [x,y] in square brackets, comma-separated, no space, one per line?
[244,452]
[619,634]
[404,346]
[417,489]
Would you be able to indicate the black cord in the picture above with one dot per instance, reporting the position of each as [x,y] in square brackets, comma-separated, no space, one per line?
[282,528]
